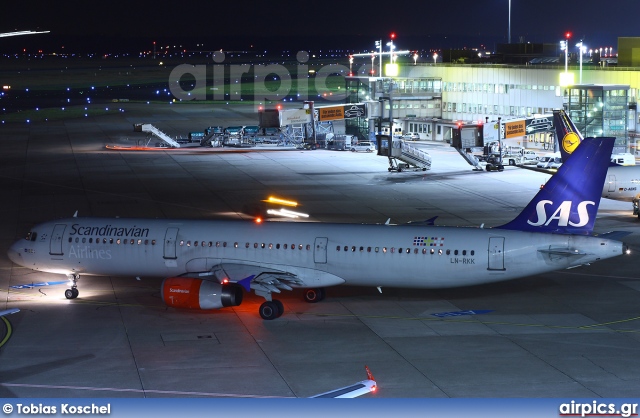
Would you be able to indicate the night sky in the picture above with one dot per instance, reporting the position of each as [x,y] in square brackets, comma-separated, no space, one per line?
[116,25]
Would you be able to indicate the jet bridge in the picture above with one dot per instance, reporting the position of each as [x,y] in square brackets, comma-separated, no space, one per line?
[402,156]
[147,127]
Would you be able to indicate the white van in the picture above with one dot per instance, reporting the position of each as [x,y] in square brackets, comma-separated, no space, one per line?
[363,146]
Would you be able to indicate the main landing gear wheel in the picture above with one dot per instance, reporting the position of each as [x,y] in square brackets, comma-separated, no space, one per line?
[271,309]
[73,292]
[314,295]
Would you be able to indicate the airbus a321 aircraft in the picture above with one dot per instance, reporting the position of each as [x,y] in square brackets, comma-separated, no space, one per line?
[622,182]
[207,263]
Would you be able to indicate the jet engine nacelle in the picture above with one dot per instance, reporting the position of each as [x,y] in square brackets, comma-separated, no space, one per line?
[189,293]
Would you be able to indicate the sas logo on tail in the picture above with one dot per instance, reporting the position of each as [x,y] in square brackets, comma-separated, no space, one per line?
[561,214]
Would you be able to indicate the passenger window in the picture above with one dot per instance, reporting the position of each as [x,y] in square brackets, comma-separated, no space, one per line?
[409,250]
[376,250]
[181,242]
[111,241]
[353,249]
[246,245]
[384,249]
[346,248]
[277,246]
[415,251]
[393,250]
[124,242]
[262,245]
[473,252]
[424,251]
[448,252]
[300,246]
[224,244]
[285,246]
[70,239]
[188,243]
[90,240]
[293,246]
[368,249]
[139,241]
[455,252]
[146,242]
[131,242]
[84,240]
[255,245]
[195,243]
[361,248]
[337,248]
[270,246]
[432,251]
[217,243]
[308,247]
[464,252]
[439,252]
[153,242]
[400,251]
[118,241]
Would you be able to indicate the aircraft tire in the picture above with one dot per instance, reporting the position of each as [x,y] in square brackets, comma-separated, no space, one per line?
[280,307]
[314,295]
[71,293]
[269,310]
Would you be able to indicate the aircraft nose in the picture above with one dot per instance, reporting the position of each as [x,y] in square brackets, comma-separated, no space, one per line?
[14,254]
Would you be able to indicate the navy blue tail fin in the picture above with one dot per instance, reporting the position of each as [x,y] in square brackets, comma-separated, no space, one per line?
[567,134]
[569,201]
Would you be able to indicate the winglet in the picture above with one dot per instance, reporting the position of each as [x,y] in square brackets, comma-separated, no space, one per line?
[353,391]
[246,282]
[569,201]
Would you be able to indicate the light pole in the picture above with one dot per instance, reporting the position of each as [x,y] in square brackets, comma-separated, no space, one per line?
[373,58]
[350,65]
[509,33]
[379,46]
[435,58]
[415,58]
[391,46]
[583,49]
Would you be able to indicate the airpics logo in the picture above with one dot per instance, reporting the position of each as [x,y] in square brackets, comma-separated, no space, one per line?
[562,214]
[269,82]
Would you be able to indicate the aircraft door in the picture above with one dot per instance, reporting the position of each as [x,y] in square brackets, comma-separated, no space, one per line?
[320,250]
[170,238]
[496,253]
[612,183]
[55,244]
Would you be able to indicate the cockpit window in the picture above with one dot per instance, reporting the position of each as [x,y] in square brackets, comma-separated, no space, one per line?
[31,236]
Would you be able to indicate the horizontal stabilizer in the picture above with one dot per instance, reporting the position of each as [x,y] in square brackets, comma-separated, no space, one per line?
[9,311]
[615,235]
[565,252]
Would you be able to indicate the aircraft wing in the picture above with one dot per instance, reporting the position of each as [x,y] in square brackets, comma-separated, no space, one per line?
[9,311]
[352,391]
[256,277]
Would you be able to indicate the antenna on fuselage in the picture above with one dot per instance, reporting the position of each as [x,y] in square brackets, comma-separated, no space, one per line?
[75,215]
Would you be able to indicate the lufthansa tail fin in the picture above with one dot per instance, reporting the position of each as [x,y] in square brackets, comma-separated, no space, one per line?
[567,134]
[569,201]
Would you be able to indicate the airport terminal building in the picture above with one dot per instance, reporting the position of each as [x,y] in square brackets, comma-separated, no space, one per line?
[433,99]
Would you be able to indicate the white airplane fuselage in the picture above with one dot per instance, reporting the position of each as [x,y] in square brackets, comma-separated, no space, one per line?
[318,254]
[622,183]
